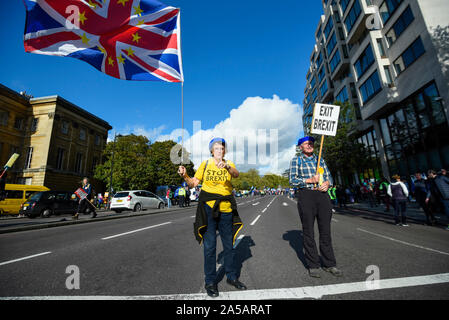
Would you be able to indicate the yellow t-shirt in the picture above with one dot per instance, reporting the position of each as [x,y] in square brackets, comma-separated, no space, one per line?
[216,181]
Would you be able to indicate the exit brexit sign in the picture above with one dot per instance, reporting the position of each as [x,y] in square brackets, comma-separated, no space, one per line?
[325,119]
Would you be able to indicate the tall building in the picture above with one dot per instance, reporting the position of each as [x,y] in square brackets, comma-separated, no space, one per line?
[390,60]
[58,142]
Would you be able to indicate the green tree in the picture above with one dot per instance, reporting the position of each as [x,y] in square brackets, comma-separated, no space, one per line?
[138,164]
[343,153]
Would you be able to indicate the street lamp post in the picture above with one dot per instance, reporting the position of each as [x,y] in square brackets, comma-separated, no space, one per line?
[112,167]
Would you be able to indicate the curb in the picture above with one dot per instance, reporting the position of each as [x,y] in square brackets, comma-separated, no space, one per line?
[72,222]
[388,215]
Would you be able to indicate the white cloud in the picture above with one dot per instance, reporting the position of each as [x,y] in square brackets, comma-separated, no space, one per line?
[257,124]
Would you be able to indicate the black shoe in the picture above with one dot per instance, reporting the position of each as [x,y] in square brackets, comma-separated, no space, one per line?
[212,290]
[314,272]
[94,215]
[237,284]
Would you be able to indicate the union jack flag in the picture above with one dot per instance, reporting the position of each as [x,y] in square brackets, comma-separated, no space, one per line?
[126,39]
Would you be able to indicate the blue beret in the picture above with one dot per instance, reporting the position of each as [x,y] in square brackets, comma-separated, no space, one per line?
[308,138]
[217,140]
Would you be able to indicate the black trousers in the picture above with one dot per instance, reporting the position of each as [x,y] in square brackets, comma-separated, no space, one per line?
[83,205]
[316,205]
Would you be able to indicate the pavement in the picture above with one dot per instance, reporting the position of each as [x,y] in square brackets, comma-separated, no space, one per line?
[413,212]
[155,256]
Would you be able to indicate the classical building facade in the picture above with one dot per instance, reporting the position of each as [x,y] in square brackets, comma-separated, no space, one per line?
[390,60]
[58,142]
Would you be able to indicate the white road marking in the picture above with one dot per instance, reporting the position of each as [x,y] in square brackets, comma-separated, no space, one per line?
[255,220]
[264,210]
[192,216]
[255,204]
[134,231]
[403,242]
[285,204]
[25,258]
[316,292]
[335,220]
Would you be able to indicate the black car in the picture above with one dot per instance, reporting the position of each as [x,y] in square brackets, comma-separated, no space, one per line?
[47,203]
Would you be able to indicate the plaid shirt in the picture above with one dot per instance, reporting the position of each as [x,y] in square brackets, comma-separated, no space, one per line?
[306,169]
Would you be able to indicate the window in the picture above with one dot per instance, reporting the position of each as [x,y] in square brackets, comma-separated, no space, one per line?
[436,106]
[328,28]
[388,75]
[370,87]
[344,6]
[97,140]
[18,123]
[82,134]
[409,56]
[78,162]
[387,8]
[342,96]
[353,14]
[365,61]
[319,61]
[64,127]
[404,20]
[321,74]
[331,44]
[323,88]
[312,84]
[29,157]
[381,48]
[34,123]
[314,95]
[60,159]
[4,117]
[335,61]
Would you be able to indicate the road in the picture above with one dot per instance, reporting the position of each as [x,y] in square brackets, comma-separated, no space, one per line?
[156,257]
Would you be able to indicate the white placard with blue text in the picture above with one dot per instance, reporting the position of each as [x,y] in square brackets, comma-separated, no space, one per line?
[325,119]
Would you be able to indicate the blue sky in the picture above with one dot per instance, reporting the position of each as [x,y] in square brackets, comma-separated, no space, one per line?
[251,48]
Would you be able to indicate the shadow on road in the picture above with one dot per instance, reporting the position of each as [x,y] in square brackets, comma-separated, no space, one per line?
[242,253]
[295,239]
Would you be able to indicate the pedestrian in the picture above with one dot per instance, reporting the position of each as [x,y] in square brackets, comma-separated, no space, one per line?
[167,196]
[385,198]
[444,172]
[421,189]
[313,204]
[439,190]
[83,203]
[341,196]
[399,194]
[181,196]
[100,200]
[217,209]
[333,195]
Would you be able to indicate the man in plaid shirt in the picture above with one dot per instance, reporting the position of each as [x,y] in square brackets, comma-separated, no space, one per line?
[314,203]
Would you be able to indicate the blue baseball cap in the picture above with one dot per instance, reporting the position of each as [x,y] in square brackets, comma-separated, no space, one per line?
[308,138]
[217,140]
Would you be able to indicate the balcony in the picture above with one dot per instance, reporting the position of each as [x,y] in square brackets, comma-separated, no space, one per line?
[359,26]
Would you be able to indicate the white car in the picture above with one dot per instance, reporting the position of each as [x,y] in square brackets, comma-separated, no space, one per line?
[136,200]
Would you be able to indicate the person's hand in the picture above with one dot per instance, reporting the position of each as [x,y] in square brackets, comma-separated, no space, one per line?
[182,171]
[427,200]
[314,179]
[221,164]
[324,187]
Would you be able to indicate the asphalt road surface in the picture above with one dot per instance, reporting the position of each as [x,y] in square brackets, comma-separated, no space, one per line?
[156,257]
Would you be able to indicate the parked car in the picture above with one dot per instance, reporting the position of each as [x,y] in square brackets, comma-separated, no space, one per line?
[16,195]
[136,200]
[47,203]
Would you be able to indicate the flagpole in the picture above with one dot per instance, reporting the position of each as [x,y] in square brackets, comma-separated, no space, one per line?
[182,122]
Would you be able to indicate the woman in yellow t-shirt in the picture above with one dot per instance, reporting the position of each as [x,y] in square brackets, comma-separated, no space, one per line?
[216,209]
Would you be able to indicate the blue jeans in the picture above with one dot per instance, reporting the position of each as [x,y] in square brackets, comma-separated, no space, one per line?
[224,224]
[400,207]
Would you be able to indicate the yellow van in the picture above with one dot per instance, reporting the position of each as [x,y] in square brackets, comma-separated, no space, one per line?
[16,194]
